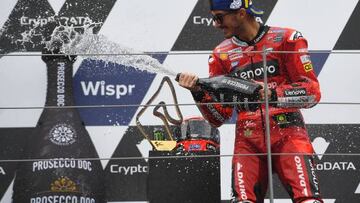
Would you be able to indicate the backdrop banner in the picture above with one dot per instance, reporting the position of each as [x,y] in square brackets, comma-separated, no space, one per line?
[176,36]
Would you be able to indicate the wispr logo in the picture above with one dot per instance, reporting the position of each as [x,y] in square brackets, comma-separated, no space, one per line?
[101,88]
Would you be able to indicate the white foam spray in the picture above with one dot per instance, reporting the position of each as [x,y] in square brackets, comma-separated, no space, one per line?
[98,47]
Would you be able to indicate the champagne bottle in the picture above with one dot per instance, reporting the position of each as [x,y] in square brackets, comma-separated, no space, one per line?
[58,168]
[228,89]
[227,84]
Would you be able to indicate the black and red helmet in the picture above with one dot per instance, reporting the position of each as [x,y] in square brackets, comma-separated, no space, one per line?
[197,135]
[197,127]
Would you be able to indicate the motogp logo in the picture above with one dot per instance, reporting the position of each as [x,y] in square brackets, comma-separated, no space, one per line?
[62,134]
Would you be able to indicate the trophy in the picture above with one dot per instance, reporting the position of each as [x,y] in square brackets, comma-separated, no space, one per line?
[159,140]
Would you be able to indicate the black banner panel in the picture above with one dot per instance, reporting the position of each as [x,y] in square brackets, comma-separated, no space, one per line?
[192,177]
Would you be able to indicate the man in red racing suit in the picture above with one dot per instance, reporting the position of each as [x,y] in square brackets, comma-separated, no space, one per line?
[292,85]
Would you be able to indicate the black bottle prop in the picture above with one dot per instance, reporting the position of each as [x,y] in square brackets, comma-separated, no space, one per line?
[58,170]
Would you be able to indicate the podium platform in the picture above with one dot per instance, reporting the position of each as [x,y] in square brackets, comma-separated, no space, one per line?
[188,178]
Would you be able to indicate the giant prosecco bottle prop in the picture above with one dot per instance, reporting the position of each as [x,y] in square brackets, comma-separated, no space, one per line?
[58,170]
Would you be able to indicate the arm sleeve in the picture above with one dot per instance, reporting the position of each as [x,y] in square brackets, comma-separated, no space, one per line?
[215,113]
[302,88]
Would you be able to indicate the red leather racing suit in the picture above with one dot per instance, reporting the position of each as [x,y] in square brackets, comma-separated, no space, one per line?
[294,85]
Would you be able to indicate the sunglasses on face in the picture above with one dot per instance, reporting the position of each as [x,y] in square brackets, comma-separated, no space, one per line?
[219,18]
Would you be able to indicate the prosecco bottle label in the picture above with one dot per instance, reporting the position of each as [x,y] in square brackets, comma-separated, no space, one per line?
[61,163]
[63,189]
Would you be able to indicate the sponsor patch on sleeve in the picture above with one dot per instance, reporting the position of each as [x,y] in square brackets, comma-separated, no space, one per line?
[303,50]
[308,67]
[235,54]
[234,64]
[305,59]
[279,37]
[223,56]
[211,59]
[295,92]
[295,36]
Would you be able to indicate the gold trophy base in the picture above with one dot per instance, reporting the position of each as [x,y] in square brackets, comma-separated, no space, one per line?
[163,145]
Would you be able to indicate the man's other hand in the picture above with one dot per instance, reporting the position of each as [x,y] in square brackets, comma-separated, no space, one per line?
[262,91]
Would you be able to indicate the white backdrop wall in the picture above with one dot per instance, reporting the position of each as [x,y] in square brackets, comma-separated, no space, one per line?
[175,27]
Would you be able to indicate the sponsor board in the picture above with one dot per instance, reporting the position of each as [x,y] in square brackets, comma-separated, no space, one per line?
[97,83]
[29,23]
[128,174]
[198,32]
[338,175]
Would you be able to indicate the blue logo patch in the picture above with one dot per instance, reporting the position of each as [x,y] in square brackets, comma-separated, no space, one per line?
[194,147]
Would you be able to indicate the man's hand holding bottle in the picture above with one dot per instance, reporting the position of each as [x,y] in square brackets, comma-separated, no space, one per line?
[188,81]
